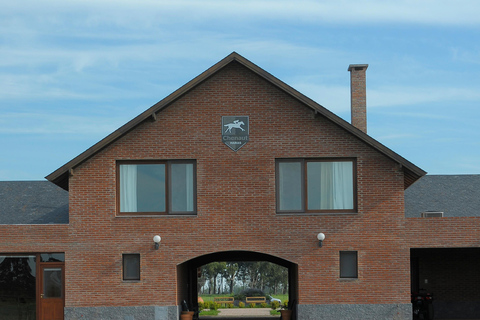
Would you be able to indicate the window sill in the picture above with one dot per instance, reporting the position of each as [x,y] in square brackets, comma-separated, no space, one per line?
[316,213]
[347,279]
[156,216]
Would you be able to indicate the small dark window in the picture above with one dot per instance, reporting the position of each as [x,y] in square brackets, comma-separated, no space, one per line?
[131,266]
[348,264]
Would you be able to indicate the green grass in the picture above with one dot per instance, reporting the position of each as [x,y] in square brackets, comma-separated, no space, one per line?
[283,297]
[209,313]
[209,297]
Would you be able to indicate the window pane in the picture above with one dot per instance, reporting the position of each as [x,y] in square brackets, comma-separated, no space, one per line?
[52,283]
[151,188]
[52,257]
[17,287]
[131,267]
[181,187]
[348,264]
[142,188]
[330,185]
[290,186]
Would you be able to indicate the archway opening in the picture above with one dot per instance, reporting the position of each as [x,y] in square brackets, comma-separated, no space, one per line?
[191,285]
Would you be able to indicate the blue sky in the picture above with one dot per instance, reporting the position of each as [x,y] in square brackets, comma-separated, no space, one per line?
[71,72]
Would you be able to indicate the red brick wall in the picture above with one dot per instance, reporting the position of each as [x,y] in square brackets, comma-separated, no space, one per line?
[33,238]
[236,203]
[447,232]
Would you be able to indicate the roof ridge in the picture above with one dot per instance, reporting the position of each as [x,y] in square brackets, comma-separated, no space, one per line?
[61,175]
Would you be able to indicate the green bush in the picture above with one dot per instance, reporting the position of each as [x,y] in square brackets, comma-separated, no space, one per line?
[229,305]
[241,304]
[252,305]
[201,306]
[285,304]
[275,305]
[214,306]
[263,305]
[249,293]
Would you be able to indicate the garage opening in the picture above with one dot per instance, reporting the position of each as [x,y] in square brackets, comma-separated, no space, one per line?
[238,275]
[452,276]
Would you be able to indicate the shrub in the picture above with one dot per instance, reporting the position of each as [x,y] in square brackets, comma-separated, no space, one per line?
[249,293]
[263,305]
[214,306]
[275,305]
[201,306]
[251,305]
[285,304]
[241,304]
[229,305]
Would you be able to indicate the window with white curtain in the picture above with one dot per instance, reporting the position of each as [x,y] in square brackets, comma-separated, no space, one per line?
[316,185]
[161,187]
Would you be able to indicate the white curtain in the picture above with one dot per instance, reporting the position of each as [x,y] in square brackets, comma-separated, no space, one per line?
[181,187]
[128,188]
[342,185]
[326,182]
[330,185]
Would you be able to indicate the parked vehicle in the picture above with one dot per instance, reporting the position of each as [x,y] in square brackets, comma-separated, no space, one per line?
[270,298]
[422,305]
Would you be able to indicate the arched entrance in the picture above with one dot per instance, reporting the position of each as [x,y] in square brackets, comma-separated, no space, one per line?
[187,272]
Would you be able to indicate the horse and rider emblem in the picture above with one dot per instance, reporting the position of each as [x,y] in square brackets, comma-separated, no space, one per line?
[235,131]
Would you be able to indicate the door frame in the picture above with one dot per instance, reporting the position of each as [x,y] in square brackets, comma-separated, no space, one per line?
[40,267]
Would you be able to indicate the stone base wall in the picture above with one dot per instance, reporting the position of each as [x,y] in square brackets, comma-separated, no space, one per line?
[123,313]
[354,311]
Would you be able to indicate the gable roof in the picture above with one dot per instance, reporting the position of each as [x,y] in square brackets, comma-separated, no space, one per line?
[454,195]
[61,175]
[32,202]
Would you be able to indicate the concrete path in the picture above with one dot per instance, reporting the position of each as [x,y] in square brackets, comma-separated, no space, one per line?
[242,313]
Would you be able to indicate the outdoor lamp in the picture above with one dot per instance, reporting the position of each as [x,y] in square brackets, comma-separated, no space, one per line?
[320,237]
[157,239]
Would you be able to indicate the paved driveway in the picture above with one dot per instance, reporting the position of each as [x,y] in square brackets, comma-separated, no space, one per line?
[242,313]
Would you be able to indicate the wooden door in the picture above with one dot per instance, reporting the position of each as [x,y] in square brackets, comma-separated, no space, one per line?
[52,295]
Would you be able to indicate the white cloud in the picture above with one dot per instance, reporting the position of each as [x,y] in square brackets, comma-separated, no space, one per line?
[150,12]
[406,95]
[41,123]
[337,98]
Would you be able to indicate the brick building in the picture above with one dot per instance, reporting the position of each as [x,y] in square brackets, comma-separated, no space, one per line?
[234,165]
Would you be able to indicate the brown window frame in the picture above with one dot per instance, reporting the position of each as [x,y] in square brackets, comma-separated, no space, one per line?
[304,191]
[124,276]
[168,191]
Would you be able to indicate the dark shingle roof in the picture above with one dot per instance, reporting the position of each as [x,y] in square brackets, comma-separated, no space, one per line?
[32,202]
[454,195]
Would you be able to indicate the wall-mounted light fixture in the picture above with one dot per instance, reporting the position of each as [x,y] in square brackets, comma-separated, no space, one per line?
[320,237]
[157,239]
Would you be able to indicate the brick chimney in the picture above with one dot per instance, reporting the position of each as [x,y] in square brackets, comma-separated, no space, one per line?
[358,94]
